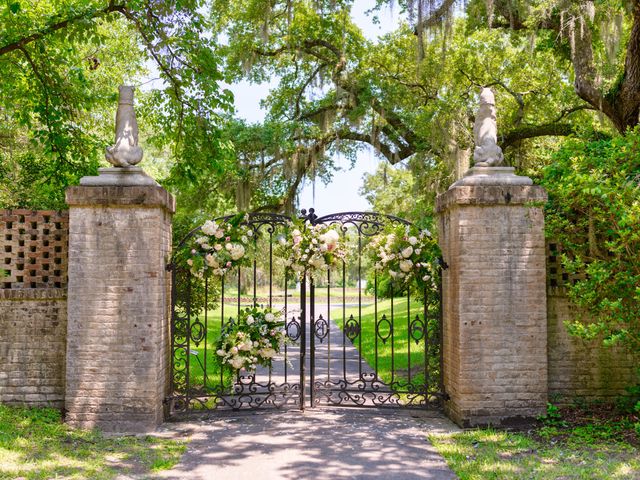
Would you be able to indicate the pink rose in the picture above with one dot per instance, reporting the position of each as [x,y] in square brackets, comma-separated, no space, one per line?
[228,263]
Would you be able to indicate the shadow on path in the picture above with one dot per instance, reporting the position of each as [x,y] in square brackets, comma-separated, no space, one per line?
[316,444]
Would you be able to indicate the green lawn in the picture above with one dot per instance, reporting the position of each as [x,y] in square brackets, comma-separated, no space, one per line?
[35,444]
[197,365]
[488,454]
[392,359]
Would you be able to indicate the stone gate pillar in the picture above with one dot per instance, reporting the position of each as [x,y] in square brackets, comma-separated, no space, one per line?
[118,297]
[494,289]
[494,303]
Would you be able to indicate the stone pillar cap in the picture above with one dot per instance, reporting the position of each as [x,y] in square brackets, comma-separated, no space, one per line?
[491,176]
[119,177]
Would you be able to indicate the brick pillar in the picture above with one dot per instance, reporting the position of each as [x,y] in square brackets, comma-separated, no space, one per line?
[118,303]
[494,307]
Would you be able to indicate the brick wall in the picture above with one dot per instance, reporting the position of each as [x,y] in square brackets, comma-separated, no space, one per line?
[33,306]
[579,368]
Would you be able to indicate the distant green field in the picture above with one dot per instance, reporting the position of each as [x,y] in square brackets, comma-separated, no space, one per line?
[393,363]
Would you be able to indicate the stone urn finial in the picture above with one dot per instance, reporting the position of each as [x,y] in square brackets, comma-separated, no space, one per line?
[125,152]
[485,131]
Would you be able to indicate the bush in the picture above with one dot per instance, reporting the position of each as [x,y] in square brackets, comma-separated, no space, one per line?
[594,213]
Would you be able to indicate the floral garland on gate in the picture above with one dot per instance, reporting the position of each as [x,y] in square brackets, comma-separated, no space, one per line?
[222,246]
[309,249]
[253,339]
[406,254]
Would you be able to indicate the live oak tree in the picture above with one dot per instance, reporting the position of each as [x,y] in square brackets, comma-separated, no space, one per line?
[61,62]
[412,93]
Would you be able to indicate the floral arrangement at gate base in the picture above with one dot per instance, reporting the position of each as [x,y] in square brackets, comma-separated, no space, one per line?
[309,249]
[406,254]
[253,339]
[221,247]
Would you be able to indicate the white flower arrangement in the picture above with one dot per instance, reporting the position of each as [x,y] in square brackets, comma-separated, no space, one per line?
[221,247]
[405,254]
[251,340]
[308,249]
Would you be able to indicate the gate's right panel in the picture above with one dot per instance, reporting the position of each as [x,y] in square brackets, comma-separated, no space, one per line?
[375,320]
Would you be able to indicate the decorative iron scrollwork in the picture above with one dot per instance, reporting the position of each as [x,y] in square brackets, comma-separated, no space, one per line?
[197,331]
[321,328]
[416,329]
[352,328]
[386,325]
[293,329]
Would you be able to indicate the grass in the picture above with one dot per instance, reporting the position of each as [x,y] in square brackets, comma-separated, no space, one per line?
[392,359]
[584,447]
[35,444]
[211,361]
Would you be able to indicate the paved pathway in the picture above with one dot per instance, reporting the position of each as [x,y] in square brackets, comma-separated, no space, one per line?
[317,444]
[320,443]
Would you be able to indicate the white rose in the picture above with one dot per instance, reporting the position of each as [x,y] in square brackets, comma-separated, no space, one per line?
[413,240]
[418,250]
[217,247]
[244,239]
[219,234]
[205,246]
[250,233]
[228,246]
[426,278]
[269,317]
[317,262]
[221,353]
[267,353]
[407,252]
[237,362]
[201,240]
[237,252]
[234,350]
[211,261]
[209,227]
[190,262]
[405,265]
[333,235]
[250,320]
[392,273]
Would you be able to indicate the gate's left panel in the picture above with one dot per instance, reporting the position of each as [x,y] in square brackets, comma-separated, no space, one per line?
[202,305]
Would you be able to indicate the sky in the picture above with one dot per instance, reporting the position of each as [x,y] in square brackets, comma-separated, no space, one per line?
[341,195]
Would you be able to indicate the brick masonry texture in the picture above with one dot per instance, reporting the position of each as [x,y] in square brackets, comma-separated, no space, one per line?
[33,307]
[33,249]
[580,369]
[495,319]
[33,323]
[118,330]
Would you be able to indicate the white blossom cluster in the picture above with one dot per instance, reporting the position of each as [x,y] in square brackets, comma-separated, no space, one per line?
[254,339]
[402,254]
[221,247]
[311,248]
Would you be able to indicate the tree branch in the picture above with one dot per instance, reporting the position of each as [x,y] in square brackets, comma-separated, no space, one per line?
[532,131]
[49,29]
[436,16]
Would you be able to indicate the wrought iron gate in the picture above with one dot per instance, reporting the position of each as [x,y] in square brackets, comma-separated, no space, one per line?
[346,344]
